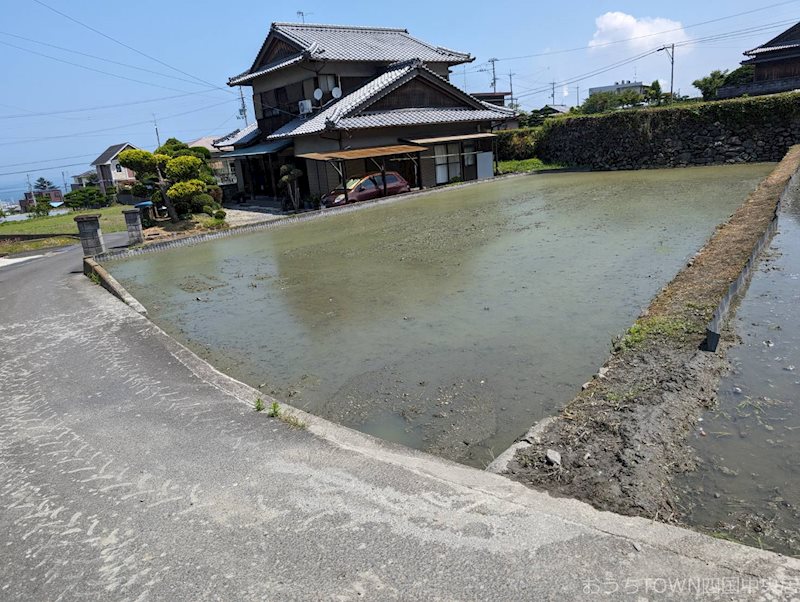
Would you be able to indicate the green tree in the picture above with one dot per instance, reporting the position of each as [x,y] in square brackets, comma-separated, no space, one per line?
[741,77]
[171,146]
[600,103]
[654,93]
[182,193]
[43,184]
[709,84]
[41,207]
[148,165]
[630,98]
[289,177]
[183,168]
[87,197]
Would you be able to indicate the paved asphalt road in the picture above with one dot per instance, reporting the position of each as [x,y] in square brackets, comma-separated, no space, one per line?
[131,470]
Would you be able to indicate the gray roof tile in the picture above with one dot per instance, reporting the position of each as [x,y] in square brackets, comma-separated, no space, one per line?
[112,151]
[349,43]
[343,114]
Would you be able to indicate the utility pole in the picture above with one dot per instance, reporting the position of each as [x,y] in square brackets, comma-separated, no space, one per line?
[243,108]
[64,179]
[30,188]
[578,95]
[511,86]
[494,74]
[553,95]
[155,124]
[671,53]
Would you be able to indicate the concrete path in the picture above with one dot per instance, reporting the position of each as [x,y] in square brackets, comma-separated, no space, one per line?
[131,470]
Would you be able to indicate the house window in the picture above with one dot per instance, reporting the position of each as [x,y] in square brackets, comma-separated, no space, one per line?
[469,154]
[118,167]
[448,162]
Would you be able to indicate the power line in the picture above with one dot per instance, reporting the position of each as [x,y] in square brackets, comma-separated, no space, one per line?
[45,161]
[124,45]
[47,168]
[649,35]
[98,58]
[98,108]
[138,81]
[119,127]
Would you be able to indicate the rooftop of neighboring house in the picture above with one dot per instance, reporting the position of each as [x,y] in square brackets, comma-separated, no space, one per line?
[788,40]
[555,109]
[108,155]
[237,137]
[287,44]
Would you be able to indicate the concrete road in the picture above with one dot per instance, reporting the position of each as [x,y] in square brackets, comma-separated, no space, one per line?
[131,470]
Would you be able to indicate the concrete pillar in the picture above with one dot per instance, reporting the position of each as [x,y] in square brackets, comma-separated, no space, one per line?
[133,220]
[91,236]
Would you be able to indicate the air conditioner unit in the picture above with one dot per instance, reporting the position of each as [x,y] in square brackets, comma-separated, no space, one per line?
[305,107]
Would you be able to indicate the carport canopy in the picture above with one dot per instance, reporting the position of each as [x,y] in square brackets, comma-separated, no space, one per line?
[337,159]
[365,153]
[444,139]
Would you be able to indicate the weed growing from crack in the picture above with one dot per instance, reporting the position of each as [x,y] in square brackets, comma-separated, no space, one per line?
[274,410]
[259,405]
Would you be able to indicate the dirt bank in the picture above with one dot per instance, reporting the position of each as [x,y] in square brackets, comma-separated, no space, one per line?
[625,435]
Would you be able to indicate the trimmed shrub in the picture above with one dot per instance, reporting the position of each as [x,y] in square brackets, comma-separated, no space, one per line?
[208,210]
[139,190]
[516,145]
[220,214]
[201,201]
[216,192]
[183,168]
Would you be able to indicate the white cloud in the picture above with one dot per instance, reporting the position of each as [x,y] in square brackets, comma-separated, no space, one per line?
[640,34]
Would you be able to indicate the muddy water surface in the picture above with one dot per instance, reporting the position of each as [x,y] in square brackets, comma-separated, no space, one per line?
[449,322]
[748,482]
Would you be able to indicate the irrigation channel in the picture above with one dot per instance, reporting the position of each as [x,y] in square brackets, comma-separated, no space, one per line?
[747,486]
[449,322]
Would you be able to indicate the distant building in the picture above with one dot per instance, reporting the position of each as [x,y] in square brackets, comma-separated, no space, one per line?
[493,98]
[776,67]
[87,178]
[110,174]
[619,88]
[553,110]
[55,196]
[224,170]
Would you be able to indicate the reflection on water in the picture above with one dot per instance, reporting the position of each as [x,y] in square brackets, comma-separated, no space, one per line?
[449,322]
[748,483]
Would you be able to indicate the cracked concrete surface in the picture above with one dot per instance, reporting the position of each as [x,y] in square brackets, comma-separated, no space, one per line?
[132,470]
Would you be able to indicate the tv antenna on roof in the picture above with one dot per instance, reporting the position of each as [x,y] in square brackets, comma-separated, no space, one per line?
[302,15]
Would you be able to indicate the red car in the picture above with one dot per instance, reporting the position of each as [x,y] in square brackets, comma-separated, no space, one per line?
[367,187]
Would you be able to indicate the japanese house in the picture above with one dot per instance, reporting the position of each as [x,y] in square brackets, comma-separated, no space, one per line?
[340,101]
[776,67]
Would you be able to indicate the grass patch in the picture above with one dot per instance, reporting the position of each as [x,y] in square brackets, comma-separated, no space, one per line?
[657,326]
[524,166]
[287,417]
[259,405]
[208,222]
[111,220]
[94,278]
[9,247]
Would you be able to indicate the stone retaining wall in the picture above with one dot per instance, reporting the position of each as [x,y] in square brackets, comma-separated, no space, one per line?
[732,131]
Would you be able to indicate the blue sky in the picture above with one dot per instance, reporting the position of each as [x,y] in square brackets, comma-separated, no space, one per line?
[40,134]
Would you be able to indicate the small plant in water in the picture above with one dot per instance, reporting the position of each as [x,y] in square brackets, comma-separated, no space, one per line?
[274,410]
[259,405]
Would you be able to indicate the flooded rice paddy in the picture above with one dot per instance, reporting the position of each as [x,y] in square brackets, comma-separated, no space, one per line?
[449,322]
[748,483]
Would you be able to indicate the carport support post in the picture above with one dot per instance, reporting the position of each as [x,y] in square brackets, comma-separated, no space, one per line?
[383,174]
[133,221]
[343,164]
[90,234]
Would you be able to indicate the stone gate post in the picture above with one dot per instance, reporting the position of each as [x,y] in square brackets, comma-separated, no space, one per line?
[91,236]
[133,220]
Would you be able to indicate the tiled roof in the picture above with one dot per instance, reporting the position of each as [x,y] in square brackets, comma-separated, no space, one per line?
[374,44]
[348,43]
[344,113]
[405,117]
[787,40]
[239,137]
[112,151]
[249,75]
